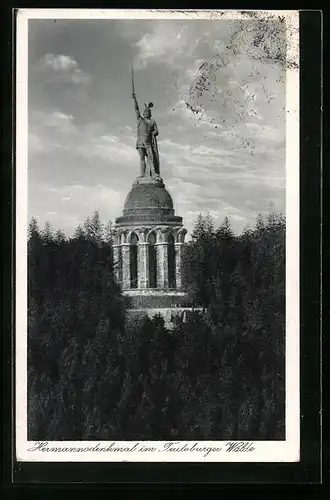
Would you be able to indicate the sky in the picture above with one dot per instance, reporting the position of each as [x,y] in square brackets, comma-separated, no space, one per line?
[218,88]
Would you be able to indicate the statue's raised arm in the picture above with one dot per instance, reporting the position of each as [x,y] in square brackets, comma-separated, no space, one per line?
[136,107]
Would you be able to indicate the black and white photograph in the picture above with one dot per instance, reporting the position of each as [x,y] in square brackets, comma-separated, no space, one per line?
[157,306]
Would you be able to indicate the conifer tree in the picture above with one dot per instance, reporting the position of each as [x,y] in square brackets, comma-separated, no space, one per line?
[79,233]
[108,232]
[217,375]
[47,233]
[93,228]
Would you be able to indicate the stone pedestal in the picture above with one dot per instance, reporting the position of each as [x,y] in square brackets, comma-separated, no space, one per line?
[149,222]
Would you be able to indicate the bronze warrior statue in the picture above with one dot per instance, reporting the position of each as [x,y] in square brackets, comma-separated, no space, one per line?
[146,143]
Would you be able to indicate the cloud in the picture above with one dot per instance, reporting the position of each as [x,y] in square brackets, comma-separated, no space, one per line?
[59,62]
[170,145]
[63,68]
[58,115]
[36,145]
[49,130]
[70,204]
[79,167]
[54,129]
[166,42]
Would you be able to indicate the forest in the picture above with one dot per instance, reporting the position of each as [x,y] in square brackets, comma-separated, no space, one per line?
[218,375]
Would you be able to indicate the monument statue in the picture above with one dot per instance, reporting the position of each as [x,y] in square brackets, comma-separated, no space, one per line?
[146,143]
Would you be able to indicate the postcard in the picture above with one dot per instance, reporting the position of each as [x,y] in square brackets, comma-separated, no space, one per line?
[157,236]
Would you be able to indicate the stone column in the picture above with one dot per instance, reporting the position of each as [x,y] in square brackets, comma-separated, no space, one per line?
[143,265]
[162,259]
[178,264]
[125,252]
[117,262]
[142,259]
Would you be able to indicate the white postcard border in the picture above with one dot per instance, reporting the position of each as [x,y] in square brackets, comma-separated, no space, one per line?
[198,451]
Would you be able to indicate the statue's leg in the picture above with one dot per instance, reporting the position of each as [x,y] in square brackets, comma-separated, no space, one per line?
[142,161]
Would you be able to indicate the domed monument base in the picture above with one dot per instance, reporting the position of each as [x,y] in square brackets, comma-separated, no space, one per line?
[148,246]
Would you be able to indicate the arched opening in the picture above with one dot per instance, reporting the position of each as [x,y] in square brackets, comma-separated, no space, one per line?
[152,260]
[171,262]
[133,260]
